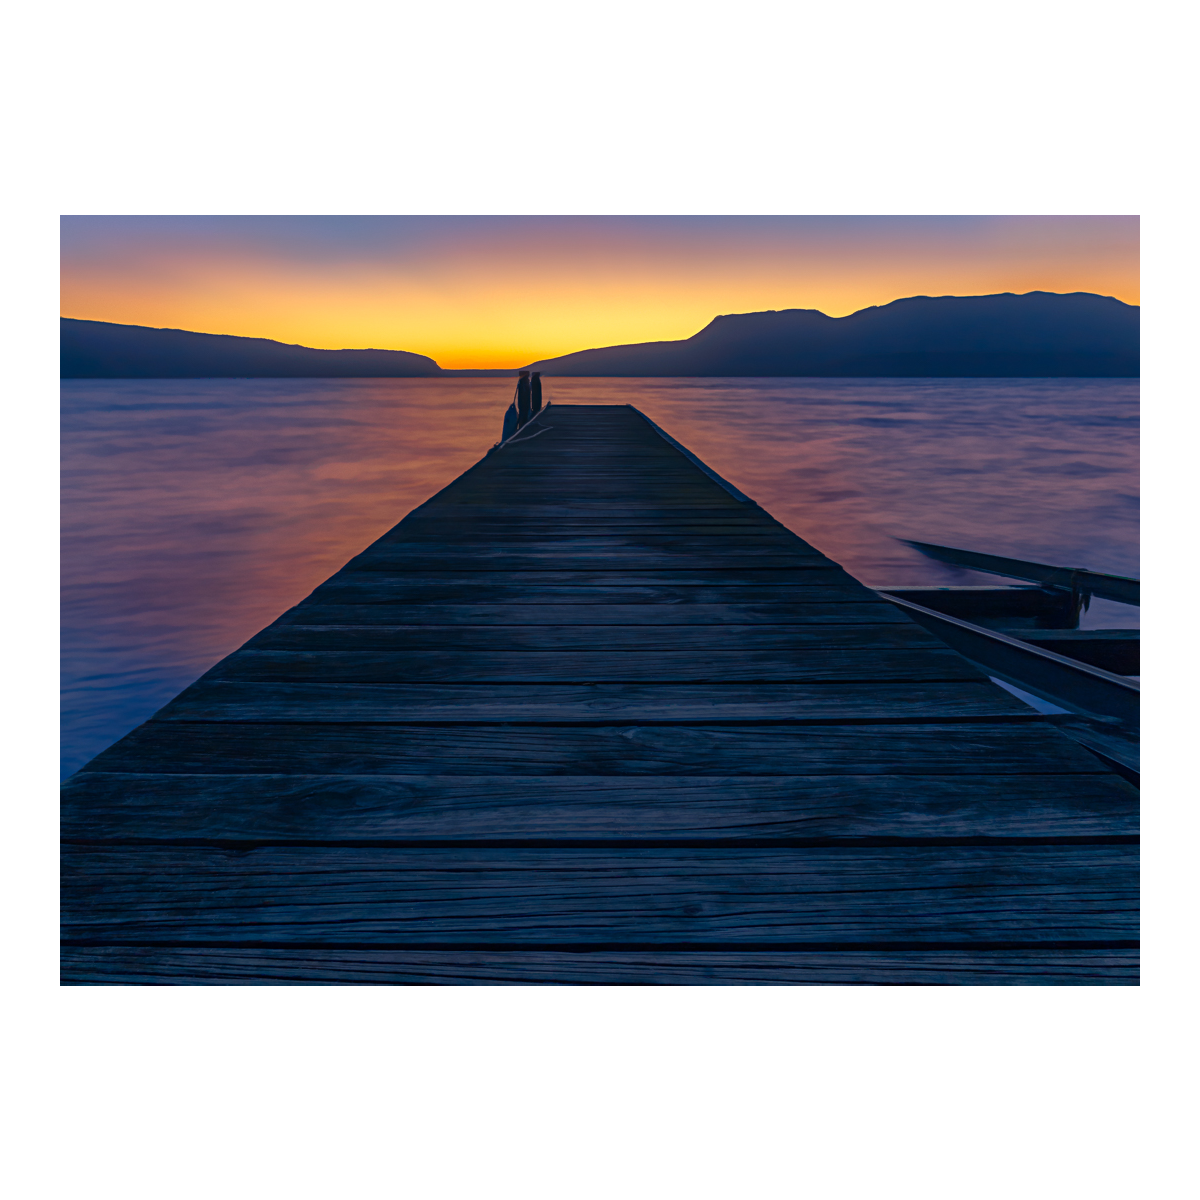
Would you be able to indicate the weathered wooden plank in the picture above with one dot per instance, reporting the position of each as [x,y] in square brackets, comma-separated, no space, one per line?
[829,663]
[558,452]
[453,523]
[100,806]
[523,483]
[523,635]
[969,749]
[217,699]
[686,897]
[598,535]
[710,620]
[366,587]
[575,480]
[502,559]
[572,469]
[552,512]
[560,447]
[551,462]
[557,461]
[589,450]
[605,445]
[130,965]
[459,529]
[567,481]
[592,520]
[520,488]
[658,535]
[642,479]
[554,457]
[803,573]
[536,543]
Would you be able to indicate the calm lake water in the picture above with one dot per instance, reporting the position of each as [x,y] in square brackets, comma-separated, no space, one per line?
[196,511]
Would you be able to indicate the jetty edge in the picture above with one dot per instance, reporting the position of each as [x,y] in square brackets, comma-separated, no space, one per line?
[587,717]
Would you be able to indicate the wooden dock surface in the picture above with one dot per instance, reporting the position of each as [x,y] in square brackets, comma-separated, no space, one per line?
[587,716]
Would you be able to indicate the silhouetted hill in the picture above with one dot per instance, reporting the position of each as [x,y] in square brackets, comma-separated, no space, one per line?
[99,350]
[1037,334]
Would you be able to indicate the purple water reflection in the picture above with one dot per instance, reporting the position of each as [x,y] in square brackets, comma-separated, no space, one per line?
[195,511]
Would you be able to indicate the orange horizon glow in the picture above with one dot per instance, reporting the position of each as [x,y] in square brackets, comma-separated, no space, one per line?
[503,292]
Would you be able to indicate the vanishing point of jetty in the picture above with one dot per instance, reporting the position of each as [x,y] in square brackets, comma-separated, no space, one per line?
[591,716]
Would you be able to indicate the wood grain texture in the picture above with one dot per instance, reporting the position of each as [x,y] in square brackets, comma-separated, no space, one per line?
[538,635]
[216,699]
[100,806]
[635,571]
[561,506]
[849,664]
[552,517]
[546,897]
[577,588]
[230,966]
[452,559]
[483,525]
[456,538]
[710,620]
[967,749]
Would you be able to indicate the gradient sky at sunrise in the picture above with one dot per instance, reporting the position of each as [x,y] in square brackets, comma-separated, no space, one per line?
[504,291]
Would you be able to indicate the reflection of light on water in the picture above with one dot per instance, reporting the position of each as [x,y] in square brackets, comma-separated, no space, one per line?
[196,511]
[992,464]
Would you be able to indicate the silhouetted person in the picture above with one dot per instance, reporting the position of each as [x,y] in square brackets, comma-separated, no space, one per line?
[523,399]
[535,391]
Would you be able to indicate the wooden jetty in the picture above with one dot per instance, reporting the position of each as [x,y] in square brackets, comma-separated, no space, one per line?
[591,716]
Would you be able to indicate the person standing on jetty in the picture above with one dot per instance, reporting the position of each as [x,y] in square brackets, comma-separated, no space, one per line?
[535,392]
[523,398]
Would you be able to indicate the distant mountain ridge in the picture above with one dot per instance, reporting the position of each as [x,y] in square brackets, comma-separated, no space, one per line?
[100,350]
[1035,334]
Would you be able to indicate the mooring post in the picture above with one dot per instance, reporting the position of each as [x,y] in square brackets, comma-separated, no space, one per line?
[523,398]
